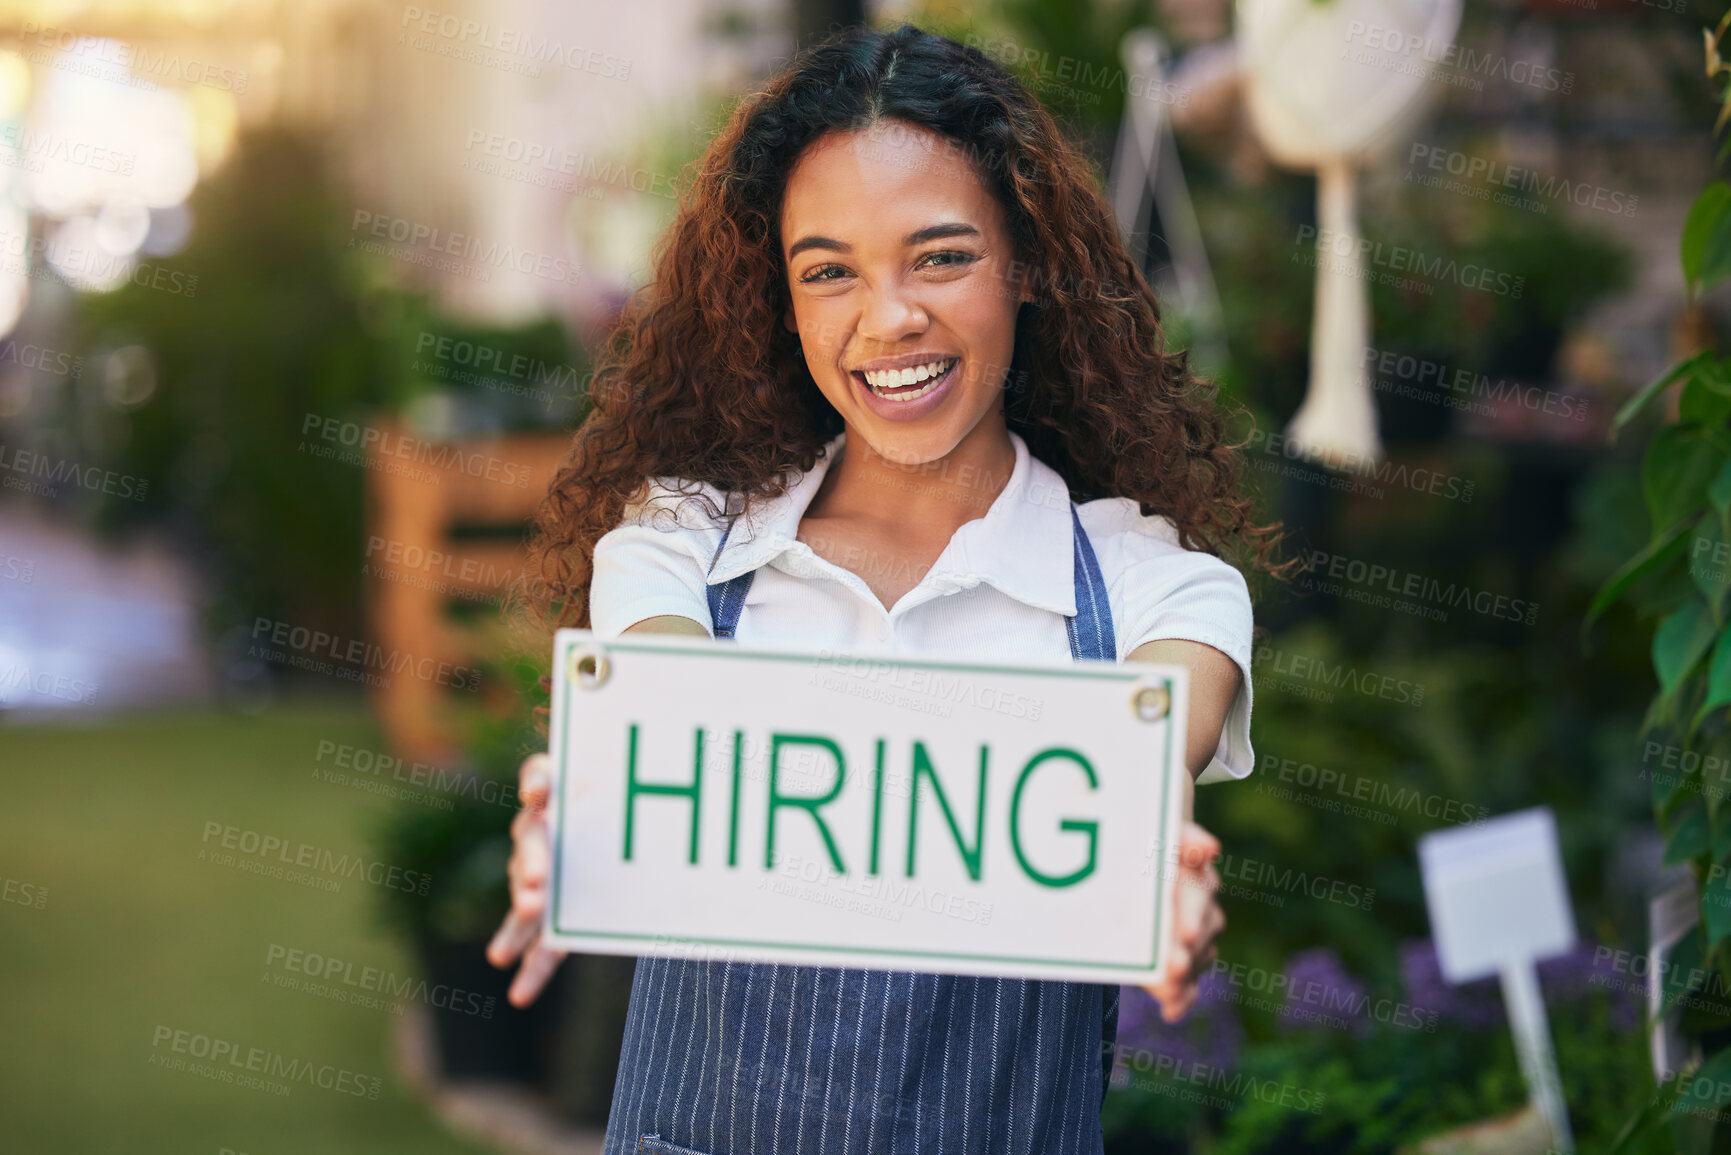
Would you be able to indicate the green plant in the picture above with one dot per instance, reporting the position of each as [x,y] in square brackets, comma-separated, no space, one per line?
[1397,1086]
[1383,1069]
[1680,578]
[466,847]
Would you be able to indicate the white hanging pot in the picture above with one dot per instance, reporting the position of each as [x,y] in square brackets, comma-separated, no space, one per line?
[1322,92]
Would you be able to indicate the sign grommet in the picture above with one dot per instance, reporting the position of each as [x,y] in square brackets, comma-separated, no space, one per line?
[590,667]
[1150,703]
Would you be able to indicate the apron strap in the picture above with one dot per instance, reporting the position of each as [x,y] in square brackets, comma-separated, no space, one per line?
[1091,635]
[726,598]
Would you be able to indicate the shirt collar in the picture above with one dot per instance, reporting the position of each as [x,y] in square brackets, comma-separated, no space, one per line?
[1023,546]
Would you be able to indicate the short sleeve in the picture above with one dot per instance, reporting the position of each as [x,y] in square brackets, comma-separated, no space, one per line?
[656,560]
[1162,590]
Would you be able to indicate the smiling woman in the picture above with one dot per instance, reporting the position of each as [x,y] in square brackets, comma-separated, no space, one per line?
[896,387]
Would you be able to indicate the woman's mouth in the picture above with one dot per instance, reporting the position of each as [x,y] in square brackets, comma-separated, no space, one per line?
[903,385]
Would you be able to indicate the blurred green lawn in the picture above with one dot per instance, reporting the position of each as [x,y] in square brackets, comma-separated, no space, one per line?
[137,932]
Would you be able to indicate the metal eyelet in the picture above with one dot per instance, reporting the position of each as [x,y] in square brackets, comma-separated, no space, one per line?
[590,667]
[1150,703]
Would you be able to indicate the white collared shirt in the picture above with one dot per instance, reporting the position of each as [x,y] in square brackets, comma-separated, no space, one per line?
[1000,590]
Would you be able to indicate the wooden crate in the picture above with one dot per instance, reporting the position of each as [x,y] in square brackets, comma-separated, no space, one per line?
[418,494]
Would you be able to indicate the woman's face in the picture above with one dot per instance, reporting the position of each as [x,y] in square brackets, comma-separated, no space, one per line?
[900,269]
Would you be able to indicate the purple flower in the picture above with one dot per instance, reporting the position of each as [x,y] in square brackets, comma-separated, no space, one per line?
[1321,994]
[1566,978]
[1587,970]
[1475,1004]
[1210,1034]
[1569,975]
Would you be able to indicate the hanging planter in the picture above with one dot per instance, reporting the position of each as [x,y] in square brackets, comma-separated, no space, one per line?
[1324,90]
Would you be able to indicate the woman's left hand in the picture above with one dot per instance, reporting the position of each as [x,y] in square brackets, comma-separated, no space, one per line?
[1197,923]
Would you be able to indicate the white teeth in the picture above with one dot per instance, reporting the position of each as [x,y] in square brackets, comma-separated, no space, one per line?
[891,378]
[920,392]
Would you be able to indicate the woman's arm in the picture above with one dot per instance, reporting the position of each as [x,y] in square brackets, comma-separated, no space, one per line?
[667,624]
[1214,680]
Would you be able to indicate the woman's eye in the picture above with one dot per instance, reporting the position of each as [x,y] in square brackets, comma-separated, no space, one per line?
[945,258]
[954,257]
[822,273]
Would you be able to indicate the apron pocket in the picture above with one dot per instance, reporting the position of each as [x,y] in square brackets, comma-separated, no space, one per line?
[654,1145]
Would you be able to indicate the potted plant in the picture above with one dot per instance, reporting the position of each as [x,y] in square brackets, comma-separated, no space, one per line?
[464,849]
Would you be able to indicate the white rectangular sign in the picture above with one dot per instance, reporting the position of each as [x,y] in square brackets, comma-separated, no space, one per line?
[909,814]
[1496,894]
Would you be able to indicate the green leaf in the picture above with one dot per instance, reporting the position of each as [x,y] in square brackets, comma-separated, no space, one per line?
[1709,208]
[1655,556]
[1706,396]
[1664,785]
[1706,243]
[1710,561]
[1714,375]
[1718,679]
[1721,821]
[1717,811]
[1646,1133]
[1716,905]
[1689,834]
[1680,463]
[1719,493]
[1683,968]
[1643,1134]
[1709,1086]
[1692,1134]
[1716,781]
[1653,388]
[1679,642]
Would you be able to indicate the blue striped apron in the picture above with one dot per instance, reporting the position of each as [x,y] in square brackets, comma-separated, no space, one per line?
[724,1058]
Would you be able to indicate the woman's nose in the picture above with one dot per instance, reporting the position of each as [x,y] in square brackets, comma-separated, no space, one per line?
[891,316]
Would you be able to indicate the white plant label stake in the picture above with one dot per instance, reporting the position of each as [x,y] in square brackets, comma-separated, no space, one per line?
[1498,904]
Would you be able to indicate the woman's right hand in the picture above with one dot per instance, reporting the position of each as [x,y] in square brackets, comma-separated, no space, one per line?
[520,933]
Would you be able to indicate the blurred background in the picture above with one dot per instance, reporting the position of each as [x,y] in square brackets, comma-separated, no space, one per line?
[298,304]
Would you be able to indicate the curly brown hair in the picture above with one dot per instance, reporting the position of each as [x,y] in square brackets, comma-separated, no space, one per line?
[701,381]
